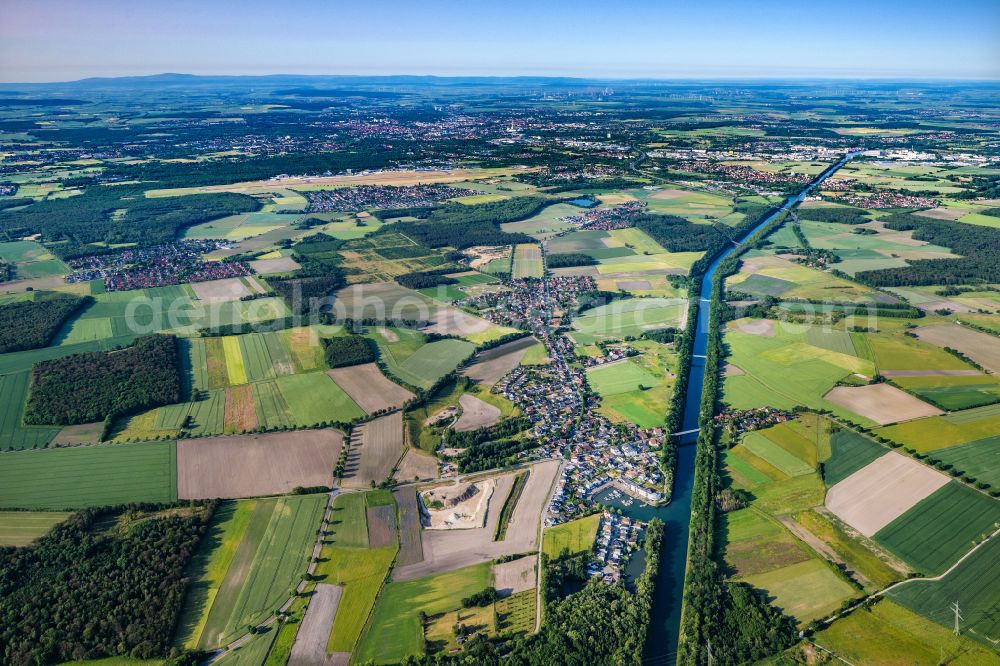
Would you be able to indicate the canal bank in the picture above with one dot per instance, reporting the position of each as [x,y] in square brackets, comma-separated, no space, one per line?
[664,627]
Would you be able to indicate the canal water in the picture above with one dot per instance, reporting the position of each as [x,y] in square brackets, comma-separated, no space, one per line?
[664,628]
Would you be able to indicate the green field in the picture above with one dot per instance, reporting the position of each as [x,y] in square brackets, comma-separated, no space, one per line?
[935,532]
[265,566]
[208,569]
[87,476]
[806,590]
[173,308]
[546,222]
[849,452]
[784,370]
[395,632]
[891,634]
[938,432]
[13,434]
[315,398]
[629,317]
[429,362]
[974,585]
[761,445]
[979,459]
[576,536]
[19,528]
[620,377]
[619,384]
[362,572]
[528,261]
[349,522]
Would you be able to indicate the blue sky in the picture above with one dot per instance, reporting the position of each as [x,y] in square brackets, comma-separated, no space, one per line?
[58,40]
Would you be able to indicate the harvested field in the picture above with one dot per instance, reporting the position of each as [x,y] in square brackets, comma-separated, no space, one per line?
[882,491]
[452,321]
[240,412]
[764,327]
[310,643]
[251,465]
[445,550]
[85,433]
[381,525]
[881,403]
[639,285]
[277,265]
[410,549]
[476,414]
[516,576]
[368,387]
[376,447]
[489,366]
[417,464]
[730,370]
[980,347]
[220,291]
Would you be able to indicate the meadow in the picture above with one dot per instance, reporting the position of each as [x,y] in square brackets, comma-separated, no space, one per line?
[888,633]
[636,390]
[938,432]
[783,370]
[395,631]
[73,478]
[576,536]
[546,223]
[20,528]
[628,317]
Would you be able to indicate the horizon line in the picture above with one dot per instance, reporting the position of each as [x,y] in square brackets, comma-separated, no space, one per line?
[577,77]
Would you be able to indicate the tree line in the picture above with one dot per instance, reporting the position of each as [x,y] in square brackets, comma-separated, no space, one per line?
[461,226]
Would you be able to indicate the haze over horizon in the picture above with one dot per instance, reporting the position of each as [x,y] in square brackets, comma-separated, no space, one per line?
[63,40]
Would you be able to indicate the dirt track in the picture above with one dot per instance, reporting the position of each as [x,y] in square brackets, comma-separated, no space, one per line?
[368,387]
[252,465]
[310,643]
[376,446]
[446,550]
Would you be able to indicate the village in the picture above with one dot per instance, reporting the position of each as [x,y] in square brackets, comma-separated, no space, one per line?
[158,266]
[556,398]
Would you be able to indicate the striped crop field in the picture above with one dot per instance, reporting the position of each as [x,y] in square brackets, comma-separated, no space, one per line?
[73,478]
